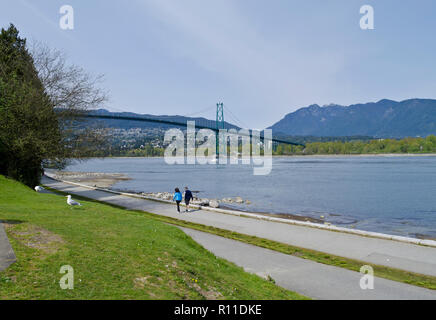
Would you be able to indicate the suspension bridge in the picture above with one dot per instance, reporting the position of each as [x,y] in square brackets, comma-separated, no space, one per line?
[200,123]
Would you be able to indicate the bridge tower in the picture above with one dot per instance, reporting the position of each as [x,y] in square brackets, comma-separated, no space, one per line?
[219,123]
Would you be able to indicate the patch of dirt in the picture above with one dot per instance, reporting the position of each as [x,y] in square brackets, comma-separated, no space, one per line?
[211,294]
[206,291]
[140,282]
[35,237]
[297,254]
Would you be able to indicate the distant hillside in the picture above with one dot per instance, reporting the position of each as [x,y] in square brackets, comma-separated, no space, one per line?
[384,119]
[126,125]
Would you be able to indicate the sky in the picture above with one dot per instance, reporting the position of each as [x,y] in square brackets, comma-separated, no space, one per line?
[262,59]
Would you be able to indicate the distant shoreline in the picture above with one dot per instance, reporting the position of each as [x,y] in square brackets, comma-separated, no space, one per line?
[363,155]
[309,155]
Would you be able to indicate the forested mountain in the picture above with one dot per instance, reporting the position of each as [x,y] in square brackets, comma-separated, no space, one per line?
[382,119]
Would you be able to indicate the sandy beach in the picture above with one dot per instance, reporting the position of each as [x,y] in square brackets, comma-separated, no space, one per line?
[93,179]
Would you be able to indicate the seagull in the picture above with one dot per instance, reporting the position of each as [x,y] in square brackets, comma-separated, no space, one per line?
[71,202]
[39,189]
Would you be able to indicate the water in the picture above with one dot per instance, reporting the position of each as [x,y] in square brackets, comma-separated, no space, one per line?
[395,195]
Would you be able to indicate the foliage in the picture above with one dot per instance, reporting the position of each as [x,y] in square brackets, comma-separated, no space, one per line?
[41,99]
[29,129]
[376,146]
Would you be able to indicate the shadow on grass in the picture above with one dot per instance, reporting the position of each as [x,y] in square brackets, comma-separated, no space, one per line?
[11,221]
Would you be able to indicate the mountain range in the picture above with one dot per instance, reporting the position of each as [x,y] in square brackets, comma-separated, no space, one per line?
[382,119]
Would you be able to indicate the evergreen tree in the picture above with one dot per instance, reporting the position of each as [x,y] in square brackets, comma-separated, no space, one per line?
[29,129]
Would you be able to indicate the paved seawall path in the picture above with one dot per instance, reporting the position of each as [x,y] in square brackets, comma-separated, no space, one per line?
[304,276]
[7,255]
[309,278]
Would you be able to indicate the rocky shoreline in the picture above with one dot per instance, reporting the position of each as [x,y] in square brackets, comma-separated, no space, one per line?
[224,204]
[213,203]
[92,179]
[107,180]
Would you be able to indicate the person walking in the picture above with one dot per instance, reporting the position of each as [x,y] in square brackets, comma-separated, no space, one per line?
[188,197]
[177,198]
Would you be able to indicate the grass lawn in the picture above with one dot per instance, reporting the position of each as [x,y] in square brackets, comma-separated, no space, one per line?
[416,279]
[115,254]
[381,271]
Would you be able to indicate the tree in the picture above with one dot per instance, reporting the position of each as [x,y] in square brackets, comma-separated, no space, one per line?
[73,92]
[29,129]
[39,102]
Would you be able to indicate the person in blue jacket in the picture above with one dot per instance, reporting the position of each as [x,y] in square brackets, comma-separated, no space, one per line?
[177,198]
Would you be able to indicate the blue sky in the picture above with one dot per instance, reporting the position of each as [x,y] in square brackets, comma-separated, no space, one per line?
[263,59]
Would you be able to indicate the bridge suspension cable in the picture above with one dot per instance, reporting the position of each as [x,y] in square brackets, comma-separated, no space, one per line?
[173,123]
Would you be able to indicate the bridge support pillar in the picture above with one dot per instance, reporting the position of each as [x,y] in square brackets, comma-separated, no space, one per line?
[219,124]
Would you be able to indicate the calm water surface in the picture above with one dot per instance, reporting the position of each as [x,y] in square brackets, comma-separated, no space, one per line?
[395,195]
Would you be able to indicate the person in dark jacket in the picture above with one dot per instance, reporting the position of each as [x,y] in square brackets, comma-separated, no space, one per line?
[188,198]
[177,198]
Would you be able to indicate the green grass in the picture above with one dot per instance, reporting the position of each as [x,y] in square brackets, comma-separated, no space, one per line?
[412,278]
[115,253]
